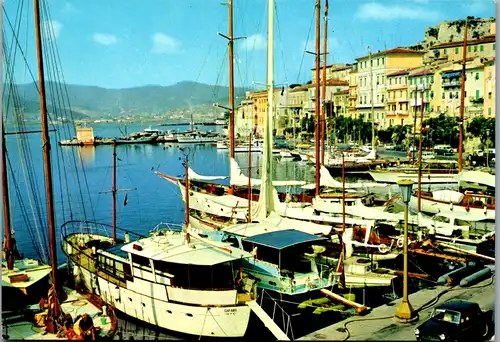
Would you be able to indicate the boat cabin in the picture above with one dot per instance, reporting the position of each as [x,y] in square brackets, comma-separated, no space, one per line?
[279,261]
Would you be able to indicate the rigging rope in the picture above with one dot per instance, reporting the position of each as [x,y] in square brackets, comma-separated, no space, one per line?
[305,45]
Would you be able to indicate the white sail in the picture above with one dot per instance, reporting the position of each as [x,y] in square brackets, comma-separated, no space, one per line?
[328,181]
[478,177]
[268,194]
[197,177]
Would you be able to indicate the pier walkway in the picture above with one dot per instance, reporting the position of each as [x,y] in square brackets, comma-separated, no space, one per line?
[380,323]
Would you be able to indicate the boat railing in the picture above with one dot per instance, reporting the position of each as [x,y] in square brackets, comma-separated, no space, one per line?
[96,228]
[163,226]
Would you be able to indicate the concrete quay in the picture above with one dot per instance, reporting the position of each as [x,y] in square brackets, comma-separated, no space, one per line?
[380,323]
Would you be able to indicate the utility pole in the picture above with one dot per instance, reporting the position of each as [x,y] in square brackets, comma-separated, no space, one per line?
[462,104]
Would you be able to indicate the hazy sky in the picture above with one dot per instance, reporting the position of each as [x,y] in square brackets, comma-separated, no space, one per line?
[125,43]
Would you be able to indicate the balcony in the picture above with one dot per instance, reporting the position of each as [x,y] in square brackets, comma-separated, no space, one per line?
[451,84]
[476,101]
[397,112]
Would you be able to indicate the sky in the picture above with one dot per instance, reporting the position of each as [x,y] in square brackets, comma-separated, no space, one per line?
[122,44]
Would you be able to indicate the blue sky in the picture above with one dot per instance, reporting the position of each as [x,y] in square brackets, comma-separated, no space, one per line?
[120,44]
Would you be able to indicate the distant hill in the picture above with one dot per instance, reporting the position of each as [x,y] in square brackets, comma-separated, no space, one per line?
[153,99]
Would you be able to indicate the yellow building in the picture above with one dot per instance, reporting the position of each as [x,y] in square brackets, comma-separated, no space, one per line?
[489,88]
[373,78]
[453,51]
[260,103]
[333,72]
[397,108]
[340,103]
[353,91]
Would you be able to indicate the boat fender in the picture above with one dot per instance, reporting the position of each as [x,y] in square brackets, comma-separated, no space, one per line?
[400,243]
[382,248]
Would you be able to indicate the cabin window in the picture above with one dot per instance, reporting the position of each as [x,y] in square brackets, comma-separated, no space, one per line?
[140,260]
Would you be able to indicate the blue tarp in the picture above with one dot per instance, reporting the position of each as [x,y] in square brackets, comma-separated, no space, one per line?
[283,238]
[450,74]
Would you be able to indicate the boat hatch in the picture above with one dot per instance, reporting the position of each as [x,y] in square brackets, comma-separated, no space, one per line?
[283,238]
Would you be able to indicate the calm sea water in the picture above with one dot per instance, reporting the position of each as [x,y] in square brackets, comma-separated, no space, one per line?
[78,190]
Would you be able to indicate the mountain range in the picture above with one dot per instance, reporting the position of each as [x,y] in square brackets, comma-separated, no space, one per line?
[92,101]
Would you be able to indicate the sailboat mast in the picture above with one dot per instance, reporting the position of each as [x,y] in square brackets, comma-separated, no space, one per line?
[46,145]
[419,189]
[186,167]
[323,104]
[317,109]
[250,177]
[462,104]
[8,248]
[371,97]
[231,81]
[113,192]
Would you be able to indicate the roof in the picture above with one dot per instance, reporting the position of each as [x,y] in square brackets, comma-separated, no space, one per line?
[339,68]
[399,72]
[458,305]
[329,82]
[421,73]
[486,39]
[117,250]
[283,238]
[173,248]
[393,51]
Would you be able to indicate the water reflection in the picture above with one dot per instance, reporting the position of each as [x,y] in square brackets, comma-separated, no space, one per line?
[86,154]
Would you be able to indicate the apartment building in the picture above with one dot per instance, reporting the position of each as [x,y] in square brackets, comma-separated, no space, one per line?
[483,48]
[333,72]
[489,88]
[372,71]
[245,120]
[340,103]
[353,91]
[397,107]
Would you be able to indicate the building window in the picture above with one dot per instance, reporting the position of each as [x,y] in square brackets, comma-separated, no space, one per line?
[382,98]
[445,52]
[469,49]
[378,78]
[377,116]
[477,93]
[477,76]
[489,111]
[432,78]
[481,48]
[369,115]
[378,98]
[442,96]
[489,95]
[456,51]
[390,81]
[378,61]
[382,79]
[382,60]
[365,100]
[421,80]
[475,48]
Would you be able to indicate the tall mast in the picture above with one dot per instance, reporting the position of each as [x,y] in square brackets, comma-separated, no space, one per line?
[250,177]
[318,98]
[231,81]
[113,192]
[462,104]
[186,168]
[46,146]
[420,151]
[371,96]
[323,104]
[8,248]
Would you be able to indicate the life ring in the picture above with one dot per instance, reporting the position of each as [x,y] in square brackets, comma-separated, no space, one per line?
[400,243]
[382,248]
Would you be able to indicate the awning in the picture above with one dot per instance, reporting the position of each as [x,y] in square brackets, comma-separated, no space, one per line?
[450,74]
[283,238]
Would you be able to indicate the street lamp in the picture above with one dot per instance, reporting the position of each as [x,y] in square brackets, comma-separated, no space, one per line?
[405,312]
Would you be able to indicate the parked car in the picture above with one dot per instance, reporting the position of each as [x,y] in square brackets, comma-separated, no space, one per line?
[389,147]
[443,150]
[455,320]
